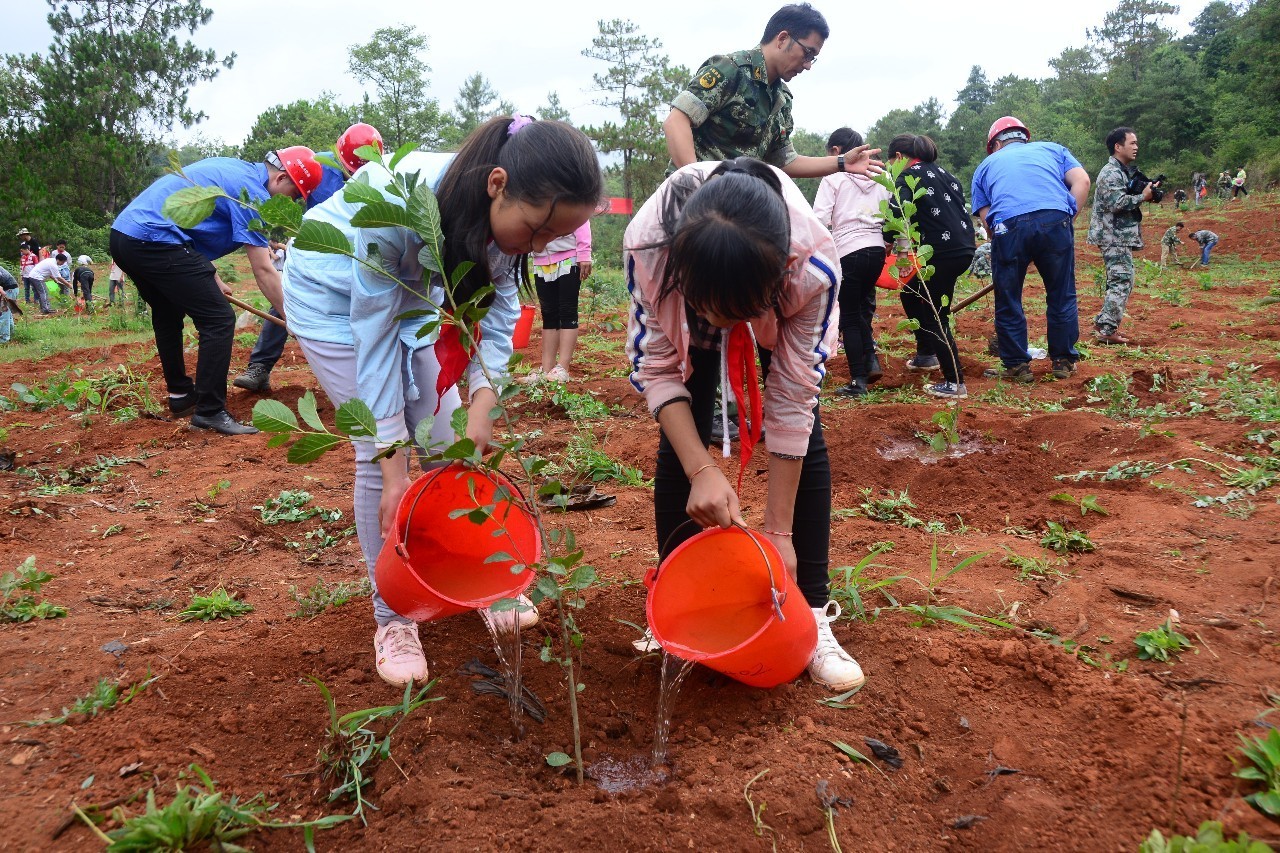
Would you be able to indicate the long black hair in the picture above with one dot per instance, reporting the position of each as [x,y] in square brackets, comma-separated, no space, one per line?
[844,137]
[728,239]
[914,147]
[546,161]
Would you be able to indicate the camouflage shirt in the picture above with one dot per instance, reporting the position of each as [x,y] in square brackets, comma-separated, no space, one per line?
[1171,237]
[735,111]
[980,266]
[1204,237]
[1117,216]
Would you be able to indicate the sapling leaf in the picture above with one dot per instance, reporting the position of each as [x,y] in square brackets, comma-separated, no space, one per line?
[316,236]
[355,419]
[190,206]
[307,410]
[280,211]
[358,191]
[279,439]
[422,433]
[369,153]
[311,446]
[380,214]
[399,155]
[274,416]
[424,214]
[558,759]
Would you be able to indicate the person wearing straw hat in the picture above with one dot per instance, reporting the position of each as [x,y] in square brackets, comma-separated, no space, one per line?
[172,268]
[723,258]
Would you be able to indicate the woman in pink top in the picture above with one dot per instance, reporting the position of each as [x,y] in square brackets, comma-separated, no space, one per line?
[723,258]
[558,274]
[849,205]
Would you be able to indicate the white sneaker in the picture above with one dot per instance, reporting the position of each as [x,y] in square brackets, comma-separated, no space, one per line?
[533,377]
[558,374]
[504,620]
[831,666]
[646,644]
[399,654]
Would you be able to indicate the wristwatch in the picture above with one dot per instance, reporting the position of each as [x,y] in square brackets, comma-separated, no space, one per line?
[840,163]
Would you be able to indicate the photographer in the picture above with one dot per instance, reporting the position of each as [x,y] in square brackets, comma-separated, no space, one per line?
[1116,227]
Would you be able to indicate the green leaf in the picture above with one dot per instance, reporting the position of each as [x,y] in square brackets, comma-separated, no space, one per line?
[358,191]
[558,759]
[274,416]
[380,214]
[280,211]
[399,155]
[422,433]
[282,438]
[355,419]
[315,236]
[307,409]
[424,215]
[856,756]
[190,206]
[431,259]
[310,447]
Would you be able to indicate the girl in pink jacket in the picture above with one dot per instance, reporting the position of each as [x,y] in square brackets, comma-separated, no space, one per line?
[558,273]
[723,258]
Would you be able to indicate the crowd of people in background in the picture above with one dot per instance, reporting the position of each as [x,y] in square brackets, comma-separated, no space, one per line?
[40,266]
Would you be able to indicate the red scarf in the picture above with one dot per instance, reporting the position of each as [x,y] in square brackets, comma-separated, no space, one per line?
[741,359]
[453,357]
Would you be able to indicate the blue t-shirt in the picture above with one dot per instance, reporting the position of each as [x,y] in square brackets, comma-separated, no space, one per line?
[1023,178]
[222,232]
[331,181]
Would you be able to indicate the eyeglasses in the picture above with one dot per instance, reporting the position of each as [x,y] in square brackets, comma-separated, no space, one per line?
[810,53]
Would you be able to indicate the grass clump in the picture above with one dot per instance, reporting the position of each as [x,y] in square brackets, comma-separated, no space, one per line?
[1062,540]
[219,604]
[1209,838]
[321,596]
[17,604]
[104,696]
[1264,767]
[1162,643]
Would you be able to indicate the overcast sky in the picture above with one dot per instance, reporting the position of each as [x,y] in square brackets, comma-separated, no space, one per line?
[287,52]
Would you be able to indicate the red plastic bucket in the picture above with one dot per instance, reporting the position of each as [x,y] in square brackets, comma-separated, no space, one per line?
[524,326]
[724,599]
[432,566]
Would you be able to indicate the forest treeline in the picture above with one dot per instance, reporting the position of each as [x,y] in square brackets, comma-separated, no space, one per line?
[86,122]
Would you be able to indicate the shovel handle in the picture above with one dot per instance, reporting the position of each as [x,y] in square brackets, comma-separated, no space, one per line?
[263,314]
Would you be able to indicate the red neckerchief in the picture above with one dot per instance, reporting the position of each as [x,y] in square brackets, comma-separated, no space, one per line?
[453,358]
[741,358]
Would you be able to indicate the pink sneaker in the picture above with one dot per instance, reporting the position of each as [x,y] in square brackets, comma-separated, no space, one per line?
[399,654]
[502,621]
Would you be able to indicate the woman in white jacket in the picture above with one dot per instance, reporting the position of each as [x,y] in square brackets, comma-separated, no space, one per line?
[849,205]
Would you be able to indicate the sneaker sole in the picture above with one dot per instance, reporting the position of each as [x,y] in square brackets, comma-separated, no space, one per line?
[840,688]
[923,369]
[251,386]
[942,396]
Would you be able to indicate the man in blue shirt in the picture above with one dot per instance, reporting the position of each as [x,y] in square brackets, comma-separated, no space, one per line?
[173,269]
[1028,194]
[337,168]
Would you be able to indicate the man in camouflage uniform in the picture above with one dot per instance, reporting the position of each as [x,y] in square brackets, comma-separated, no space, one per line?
[1169,244]
[738,105]
[1116,229]
[1207,240]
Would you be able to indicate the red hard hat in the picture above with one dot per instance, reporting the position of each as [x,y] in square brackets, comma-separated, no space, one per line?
[357,136]
[299,163]
[1003,124]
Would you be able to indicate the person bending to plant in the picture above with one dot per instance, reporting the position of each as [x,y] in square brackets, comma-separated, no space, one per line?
[943,220]
[515,185]
[723,258]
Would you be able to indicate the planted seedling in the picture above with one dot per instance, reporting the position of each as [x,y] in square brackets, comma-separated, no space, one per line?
[104,696]
[930,612]
[217,605]
[1087,504]
[757,812]
[891,507]
[1209,838]
[1264,756]
[1062,540]
[1162,643]
[1035,568]
[199,814]
[16,604]
[353,749]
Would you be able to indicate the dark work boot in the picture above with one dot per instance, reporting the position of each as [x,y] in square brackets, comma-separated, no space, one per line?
[256,377]
[222,422]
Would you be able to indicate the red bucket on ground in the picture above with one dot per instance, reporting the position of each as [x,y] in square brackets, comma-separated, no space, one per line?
[524,327]
[432,565]
[724,599]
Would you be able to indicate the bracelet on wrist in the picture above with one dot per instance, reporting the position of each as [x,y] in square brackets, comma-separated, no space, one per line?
[700,470]
[779,533]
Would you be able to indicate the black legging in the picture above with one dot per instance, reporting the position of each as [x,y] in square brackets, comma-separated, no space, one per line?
[859,271]
[812,524]
[934,335]
[559,299]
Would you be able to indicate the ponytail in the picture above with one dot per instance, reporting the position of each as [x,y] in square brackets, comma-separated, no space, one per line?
[545,162]
[844,137]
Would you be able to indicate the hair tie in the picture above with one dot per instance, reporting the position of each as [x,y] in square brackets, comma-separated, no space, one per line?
[518,123]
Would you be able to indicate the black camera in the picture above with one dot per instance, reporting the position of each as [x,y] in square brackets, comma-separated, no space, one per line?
[1139,182]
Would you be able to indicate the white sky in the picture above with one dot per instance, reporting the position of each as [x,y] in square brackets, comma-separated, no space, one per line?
[866,68]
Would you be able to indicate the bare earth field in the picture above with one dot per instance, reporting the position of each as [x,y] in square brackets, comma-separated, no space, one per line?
[1106,746]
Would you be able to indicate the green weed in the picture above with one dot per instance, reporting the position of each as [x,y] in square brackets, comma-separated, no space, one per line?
[1087,504]
[1086,654]
[290,506]
[1161,643]
[930,612]
[1035,568]
[1062,540]
[321,596]
[16,602]
[1209,838]
[850,586]
[1264,756]
[352,750]
[217,605]
[104,696]
[890,507]
[584,460]
[78,479]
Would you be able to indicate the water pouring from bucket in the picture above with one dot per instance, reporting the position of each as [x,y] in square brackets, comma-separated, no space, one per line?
[462,539]
[723,598]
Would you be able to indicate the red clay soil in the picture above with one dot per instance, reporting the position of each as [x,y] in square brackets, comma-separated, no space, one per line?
[1047,751]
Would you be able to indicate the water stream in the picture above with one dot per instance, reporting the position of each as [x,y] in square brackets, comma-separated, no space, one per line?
[507,645]
[674,670]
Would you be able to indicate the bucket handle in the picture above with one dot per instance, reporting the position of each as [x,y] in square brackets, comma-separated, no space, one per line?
[777,597]
[402,547]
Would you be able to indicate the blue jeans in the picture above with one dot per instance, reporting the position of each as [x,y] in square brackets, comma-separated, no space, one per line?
[1204,252]
[1044,237]
[270,345]
[6,316]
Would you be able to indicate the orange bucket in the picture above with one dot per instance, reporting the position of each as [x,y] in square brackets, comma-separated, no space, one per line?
[432,565]
[724,599]
[524,327]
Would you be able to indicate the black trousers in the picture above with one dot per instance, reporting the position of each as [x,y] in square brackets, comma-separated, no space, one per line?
[858,273]
[925,303]
[812,525]
[178,282]
[559,299]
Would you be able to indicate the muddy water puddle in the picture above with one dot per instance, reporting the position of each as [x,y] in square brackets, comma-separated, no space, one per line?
[893,449]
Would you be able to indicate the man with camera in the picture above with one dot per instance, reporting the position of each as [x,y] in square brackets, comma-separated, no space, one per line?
[1116,227]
